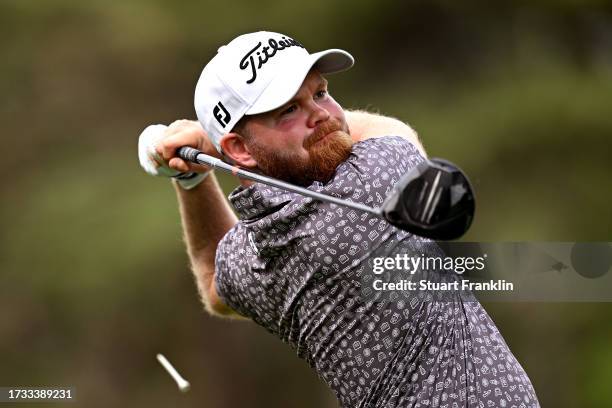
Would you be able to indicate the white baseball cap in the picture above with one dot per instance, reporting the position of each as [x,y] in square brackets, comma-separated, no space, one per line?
[256,73]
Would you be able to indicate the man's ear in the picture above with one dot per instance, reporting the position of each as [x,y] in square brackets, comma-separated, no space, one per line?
[234,147]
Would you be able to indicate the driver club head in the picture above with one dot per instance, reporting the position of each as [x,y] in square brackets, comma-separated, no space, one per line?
[433,200]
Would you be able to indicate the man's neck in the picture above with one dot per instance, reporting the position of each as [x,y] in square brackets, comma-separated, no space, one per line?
[246,183]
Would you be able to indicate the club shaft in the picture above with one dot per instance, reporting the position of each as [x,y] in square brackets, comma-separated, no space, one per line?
[213,162]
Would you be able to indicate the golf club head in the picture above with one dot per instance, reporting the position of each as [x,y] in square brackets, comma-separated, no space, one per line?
[433,200]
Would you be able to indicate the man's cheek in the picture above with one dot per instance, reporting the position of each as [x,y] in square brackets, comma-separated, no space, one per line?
[336,111]
[335,107]
[288,125]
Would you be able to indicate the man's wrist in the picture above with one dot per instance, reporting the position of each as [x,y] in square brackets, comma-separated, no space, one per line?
[187,181]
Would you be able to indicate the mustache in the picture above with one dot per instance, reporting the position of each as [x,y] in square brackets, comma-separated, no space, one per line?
[322,130]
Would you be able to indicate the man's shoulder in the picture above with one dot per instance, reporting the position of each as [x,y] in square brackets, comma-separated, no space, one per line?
[386,151]
[384,144]
[372,169]
[232,237]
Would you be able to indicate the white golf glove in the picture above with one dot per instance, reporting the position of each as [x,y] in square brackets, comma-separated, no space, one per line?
[155,165]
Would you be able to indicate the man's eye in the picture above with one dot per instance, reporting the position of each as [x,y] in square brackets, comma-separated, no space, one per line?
[321,93]
[290,109]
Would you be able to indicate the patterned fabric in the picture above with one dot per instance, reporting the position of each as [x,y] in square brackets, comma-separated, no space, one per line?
[298,268]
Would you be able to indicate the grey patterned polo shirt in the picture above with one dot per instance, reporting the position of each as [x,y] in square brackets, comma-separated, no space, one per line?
[298,267]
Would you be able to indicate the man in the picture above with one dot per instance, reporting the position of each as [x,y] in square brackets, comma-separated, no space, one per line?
[299,267]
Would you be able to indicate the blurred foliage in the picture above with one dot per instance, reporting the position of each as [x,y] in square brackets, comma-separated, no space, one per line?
[94,280]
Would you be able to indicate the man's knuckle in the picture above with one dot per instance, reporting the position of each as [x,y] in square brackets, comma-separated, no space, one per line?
[178,123]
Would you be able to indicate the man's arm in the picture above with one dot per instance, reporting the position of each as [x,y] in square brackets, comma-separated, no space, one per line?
[206,217]
[364,125]
[205,213]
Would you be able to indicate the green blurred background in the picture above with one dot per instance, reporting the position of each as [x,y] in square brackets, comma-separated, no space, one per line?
[93,276]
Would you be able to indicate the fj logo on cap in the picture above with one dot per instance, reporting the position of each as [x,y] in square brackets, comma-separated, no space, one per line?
[265,54]
[221,114]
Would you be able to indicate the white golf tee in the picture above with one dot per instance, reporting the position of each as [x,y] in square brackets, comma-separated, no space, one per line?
[180,381]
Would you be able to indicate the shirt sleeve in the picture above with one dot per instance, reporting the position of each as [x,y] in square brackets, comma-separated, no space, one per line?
[251,284]
[388,152]
[230,269]
[373,168]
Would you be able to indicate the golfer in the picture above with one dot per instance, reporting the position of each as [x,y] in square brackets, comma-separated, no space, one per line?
[302,269]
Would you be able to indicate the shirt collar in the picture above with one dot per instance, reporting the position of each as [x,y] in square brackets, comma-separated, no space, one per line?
[259,200]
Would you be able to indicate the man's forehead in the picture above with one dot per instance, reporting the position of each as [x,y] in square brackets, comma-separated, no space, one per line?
[313,80]
[314,76]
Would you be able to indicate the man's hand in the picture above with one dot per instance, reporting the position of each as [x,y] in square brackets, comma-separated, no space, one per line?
[185,133]
[157,147]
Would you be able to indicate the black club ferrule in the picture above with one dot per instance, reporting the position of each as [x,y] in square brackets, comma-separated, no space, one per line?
[188,153]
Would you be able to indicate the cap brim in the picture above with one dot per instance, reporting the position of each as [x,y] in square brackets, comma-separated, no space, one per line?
[286,85]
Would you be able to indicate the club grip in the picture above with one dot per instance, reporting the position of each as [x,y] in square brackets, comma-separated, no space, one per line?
[188,153]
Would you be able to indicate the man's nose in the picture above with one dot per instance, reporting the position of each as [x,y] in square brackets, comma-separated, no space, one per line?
[318,115]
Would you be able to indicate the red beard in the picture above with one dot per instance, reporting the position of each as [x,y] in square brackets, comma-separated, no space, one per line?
[325,152]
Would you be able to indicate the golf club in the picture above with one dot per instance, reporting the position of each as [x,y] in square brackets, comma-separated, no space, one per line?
[434,200]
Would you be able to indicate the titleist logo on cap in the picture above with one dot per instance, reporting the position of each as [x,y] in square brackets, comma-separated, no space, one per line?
[264,55]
